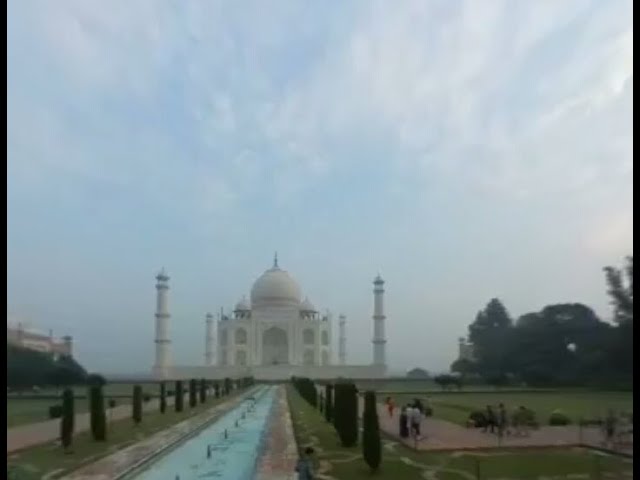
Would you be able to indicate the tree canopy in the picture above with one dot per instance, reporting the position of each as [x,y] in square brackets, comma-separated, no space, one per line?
[27,368]
[562,344]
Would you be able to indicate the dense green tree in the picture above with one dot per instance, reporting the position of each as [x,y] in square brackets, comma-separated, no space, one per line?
[27,368]
[620,289]
[371,445]
[490,335]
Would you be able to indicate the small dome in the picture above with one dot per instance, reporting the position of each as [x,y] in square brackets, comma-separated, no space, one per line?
[307,306]
[275,287]
[242,305]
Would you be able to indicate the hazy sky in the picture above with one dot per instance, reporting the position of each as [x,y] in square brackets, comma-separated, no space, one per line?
[463,149]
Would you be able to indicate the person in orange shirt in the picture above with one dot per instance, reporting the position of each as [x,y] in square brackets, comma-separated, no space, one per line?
[390,406]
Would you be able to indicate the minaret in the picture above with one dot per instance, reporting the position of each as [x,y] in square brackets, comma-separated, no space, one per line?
[163,343]
[379,341]
[342,340]
[208,348]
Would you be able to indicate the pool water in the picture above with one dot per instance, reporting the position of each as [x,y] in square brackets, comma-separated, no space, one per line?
[227,449]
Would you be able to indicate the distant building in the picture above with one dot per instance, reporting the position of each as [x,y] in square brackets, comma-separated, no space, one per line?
[18,334]
[465,350]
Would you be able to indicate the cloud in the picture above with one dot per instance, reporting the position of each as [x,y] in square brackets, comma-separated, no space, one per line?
[441,141]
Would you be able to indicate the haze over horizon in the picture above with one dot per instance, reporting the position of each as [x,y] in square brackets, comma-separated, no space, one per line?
[465,150]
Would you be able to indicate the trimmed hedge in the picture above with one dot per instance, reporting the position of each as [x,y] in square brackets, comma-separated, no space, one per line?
[68,418]
[179,402]
[163,397]
[371,445]
[136,405]
[98,419]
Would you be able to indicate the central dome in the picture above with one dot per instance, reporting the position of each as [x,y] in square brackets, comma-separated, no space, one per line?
[275,287]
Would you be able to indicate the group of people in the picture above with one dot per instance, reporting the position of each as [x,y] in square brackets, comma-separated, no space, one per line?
[410,419]
[497,421]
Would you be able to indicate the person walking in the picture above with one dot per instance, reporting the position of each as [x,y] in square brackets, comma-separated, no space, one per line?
[491,420]
[404,422]
[416,421]
[390,406]
[503,425]
[304,466]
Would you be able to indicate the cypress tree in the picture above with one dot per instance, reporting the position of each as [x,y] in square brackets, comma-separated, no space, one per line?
[98,418]
[179,400]
[136,412]
[328,402]
[371,447]
[193,393]
[68,418]
[203,390]
[337,406]
[346,412]
[163,397]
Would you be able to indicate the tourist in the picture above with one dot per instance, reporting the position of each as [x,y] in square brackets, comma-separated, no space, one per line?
[503,426]
[491,420]
[390,406]
[304,467]
[415,418]
[404,422]
[610,427]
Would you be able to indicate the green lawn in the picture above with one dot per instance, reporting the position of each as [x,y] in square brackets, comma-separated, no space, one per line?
[400,462]
[21,411]
[455,407]
[36,462]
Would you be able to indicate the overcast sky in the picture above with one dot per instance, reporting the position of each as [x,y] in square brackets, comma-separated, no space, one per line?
[463,149]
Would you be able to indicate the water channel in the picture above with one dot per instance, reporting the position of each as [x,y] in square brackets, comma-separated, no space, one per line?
[227,449]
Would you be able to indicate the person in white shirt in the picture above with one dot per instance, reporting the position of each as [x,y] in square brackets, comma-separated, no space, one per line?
[415,417]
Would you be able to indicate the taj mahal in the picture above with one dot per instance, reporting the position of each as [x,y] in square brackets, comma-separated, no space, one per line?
[273,335]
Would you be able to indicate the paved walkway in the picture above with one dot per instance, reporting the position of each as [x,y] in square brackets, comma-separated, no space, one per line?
[281,452]
[439,434]
[33,434]
[127,459]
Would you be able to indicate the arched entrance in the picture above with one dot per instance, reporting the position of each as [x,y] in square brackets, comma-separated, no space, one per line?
[275,347]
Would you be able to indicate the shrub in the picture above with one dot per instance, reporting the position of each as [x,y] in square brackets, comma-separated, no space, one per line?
[558,418]
[179,402]
[478,418]
[112,403]
[428,411]
[216,388]
[55,411]
[307,390]
[68,418]
[228,385]
[193,398]
[98,419]
[371,447]
[328,402]
[163,397]
[146,398]
[95,379]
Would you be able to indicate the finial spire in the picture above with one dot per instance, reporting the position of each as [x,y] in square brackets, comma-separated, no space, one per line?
[275,260]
